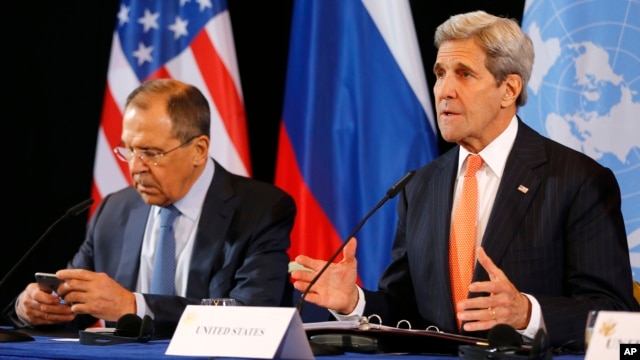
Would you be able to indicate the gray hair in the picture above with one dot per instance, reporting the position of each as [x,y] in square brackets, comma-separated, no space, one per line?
[509,50]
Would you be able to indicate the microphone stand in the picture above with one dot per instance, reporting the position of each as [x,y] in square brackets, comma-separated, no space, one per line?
[392,192]
[73,211]
[7,335]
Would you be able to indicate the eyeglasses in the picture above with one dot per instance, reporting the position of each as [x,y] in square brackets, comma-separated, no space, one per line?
[126,155]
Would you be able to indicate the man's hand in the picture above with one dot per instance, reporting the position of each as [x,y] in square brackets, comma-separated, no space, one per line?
[505,305]
[96,294]
[336,288]
[41,308]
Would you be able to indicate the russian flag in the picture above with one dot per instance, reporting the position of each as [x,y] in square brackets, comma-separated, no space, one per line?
[357,116]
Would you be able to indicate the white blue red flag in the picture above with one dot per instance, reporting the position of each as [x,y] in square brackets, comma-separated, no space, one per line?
[585,90]
[190,41]
[357,116]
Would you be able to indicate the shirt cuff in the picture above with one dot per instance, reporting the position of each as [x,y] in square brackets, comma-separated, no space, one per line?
[141,306]
[19,321]
[536,322]
[356,314]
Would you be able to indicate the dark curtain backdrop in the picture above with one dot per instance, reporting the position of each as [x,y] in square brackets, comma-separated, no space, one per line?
[58,54]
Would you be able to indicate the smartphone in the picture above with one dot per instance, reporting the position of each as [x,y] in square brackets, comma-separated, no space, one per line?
[47,282]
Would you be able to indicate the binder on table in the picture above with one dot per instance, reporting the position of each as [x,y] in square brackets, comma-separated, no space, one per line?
[366,336]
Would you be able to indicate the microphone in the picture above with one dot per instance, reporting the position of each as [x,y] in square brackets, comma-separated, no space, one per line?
[73,211]
[504,337]
[78,209]
[129,328]
[505,343]
[392,192]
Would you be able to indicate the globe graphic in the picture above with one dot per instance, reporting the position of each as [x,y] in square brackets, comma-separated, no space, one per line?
[585,89]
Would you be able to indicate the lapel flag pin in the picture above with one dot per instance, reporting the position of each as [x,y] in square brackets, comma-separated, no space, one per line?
[523,189]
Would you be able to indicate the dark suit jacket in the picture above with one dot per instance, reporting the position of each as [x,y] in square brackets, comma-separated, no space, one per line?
[240,248]
[563,241]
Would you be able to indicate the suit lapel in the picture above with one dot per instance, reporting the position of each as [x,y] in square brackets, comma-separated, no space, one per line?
[517,189]
[430,226]
[443,206]
[217,213]
[132,246]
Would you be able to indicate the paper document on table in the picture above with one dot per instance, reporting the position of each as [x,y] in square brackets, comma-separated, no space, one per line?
[347,324]
[364,323]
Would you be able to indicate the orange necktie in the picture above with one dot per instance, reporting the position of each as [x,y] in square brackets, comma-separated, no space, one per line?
[463,233]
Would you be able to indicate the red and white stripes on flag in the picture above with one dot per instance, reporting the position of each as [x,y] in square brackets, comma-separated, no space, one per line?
[188,41]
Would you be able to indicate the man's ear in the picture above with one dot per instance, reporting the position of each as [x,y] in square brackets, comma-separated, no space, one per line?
[201,153]
[512,88]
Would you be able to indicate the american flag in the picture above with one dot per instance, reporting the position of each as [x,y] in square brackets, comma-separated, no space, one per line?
[189,40]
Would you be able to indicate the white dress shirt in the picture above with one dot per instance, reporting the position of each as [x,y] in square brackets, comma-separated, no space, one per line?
[190,207]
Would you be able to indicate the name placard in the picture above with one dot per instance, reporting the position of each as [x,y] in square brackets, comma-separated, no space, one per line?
[611,332]
[240,331]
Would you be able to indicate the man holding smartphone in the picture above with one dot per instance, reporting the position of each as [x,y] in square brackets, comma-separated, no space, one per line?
[231,233]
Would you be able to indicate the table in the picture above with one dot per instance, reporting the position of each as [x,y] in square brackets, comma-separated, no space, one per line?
[64,344]
[55,348]
[47,347]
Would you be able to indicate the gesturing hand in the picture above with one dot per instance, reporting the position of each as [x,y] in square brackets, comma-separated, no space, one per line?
[504,305]
[336,288]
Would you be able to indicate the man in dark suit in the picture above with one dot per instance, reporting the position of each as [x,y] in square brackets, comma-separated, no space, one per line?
[550,241]
[231,234]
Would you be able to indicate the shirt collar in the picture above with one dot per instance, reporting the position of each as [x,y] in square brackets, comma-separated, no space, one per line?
[495,154]
[191,204]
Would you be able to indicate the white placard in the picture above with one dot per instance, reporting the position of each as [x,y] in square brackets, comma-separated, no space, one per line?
[613,328]
[240,331]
